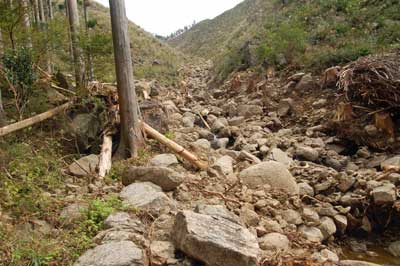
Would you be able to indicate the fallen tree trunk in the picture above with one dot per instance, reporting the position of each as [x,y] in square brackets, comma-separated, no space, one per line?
[105,156]
[33,120]
[175,147]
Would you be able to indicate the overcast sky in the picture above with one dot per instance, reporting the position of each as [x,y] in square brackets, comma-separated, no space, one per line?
[166,16]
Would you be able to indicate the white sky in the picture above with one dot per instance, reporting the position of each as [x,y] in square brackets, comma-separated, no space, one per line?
[166,16]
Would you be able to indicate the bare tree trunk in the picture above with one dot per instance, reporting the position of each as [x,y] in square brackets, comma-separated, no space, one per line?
[41,12]
[3,119]
[50,9]
[1,45]
[77,53]
[69,30]
[131,134]
[26,22]
[88,55]
[36,12]
[49,43]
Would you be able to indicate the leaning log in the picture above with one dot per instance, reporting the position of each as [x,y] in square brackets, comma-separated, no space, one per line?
[175,147]
[33,120]
[105,162]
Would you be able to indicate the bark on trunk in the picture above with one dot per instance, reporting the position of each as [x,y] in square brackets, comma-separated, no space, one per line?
[88,55]
[77,53]
[3,119]
[131,135]
[36,12]
[26,22]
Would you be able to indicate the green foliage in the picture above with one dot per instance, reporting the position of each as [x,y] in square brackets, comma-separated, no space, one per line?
[92,23]
[285,39]
[98,211]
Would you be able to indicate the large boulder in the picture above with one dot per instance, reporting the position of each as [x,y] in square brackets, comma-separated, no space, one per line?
[123,253]
[166,178]
[215,240]
[272,173]
[85,166]
[164,160]
[147,196]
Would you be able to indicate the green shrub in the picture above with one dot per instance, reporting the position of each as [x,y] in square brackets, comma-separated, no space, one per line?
[287,39]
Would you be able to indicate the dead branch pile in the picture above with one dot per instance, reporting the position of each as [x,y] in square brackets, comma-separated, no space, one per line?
[368,103]
[372,82]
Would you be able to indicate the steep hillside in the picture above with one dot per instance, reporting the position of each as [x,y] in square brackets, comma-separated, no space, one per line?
[309,34]
[152,58]
[210,38]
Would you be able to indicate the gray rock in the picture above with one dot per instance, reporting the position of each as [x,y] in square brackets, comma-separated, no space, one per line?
[219,125]
[385,194]
[310,216]
[215,241]
[123,253]
[346,183]
[202,144]
[166,178]
[394,248]
[85,127]
[236,121]
[249,216]
[85,166]
[341,223]
[147,196]
[292,217]
[327,227]
[280,156]
[73,213]
[218,211]
[206,134]
[247,110]
[307,153]
[121,220]
[325,255]
[271,226]
[306,82]
[188,121]
[271,173]
[224,164]
[305,189]
[394,161]
[162,253]
[274,242]
[285,106]
[312,234]
[164,160]
[221,143]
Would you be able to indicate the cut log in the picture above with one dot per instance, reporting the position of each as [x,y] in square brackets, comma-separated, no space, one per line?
[105,156]
[175,147]
[33,120]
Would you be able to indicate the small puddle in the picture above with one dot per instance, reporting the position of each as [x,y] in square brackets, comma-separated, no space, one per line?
[380,256]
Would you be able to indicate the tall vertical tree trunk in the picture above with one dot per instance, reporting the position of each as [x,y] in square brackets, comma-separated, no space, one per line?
[26,22]
[1,45]
[77,53]
[36,12]
[2,113]
[88,55]
[41,12]
[131,134]
[69,30]
[3,119]
[49,42]
[50,9]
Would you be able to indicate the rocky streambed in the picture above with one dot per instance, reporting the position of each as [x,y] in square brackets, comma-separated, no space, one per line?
[280,190]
